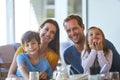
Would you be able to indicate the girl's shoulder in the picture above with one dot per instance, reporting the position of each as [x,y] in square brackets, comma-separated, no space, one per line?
[110,52]
[83,52]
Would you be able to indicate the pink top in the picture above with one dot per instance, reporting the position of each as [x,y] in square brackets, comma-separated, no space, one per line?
[105,62]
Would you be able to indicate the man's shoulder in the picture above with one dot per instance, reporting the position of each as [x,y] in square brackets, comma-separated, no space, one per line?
[70,48]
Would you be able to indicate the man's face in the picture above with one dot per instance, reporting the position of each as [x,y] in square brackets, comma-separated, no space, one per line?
[74,31]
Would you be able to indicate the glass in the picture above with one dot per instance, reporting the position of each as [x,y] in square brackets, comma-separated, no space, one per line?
[62,72]
[10,79]
[33,75]
[114,75]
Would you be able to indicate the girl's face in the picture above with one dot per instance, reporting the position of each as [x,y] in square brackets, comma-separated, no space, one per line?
[32,47]
[94,35]
[47,33]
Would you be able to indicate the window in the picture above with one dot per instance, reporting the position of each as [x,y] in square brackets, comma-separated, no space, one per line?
[22,15]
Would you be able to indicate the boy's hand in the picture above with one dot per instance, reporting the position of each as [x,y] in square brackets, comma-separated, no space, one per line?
[43,75]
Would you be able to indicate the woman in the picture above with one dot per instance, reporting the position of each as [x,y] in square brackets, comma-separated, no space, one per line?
[49,34]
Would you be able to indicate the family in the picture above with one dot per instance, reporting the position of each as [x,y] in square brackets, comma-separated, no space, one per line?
[39,51]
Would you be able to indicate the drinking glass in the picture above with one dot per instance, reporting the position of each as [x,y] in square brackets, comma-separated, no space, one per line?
[33,75]
[114,75]
[10,79]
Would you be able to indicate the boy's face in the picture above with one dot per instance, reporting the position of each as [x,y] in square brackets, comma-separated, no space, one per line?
[32,47]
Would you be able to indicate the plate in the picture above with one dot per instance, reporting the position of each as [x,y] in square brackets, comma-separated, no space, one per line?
[79,77]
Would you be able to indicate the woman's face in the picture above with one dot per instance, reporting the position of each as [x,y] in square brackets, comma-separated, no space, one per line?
[47,33]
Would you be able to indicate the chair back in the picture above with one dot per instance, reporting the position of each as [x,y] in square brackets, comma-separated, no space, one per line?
[4,68]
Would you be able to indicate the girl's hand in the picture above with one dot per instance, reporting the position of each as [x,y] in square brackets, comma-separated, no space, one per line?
[92,45]
[43,75]
[99,45]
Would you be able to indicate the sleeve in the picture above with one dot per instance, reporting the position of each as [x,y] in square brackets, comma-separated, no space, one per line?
[20,50]
[105,61]
[88,60]
[20,58]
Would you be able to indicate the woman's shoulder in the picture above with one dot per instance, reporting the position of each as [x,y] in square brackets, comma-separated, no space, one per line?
[52,53]
[20,50]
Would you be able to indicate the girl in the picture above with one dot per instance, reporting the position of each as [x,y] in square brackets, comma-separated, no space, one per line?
[96,50]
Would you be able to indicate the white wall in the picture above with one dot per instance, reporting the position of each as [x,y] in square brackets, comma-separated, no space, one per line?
[106,14]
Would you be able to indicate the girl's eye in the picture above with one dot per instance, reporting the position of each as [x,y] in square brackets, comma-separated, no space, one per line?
[98,34]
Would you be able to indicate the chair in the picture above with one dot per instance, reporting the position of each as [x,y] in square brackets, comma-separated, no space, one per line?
[6,56]
[4,68]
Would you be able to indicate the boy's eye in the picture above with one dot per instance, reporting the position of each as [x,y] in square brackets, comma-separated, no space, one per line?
[26,45]
[32,43]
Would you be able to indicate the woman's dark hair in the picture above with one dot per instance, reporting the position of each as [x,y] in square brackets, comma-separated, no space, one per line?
[29,35]
[54,44]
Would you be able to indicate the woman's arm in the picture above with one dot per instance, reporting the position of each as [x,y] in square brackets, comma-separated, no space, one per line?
[23,71]
[13,67]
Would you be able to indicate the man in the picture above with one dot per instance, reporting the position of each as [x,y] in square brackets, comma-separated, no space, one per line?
[74,27]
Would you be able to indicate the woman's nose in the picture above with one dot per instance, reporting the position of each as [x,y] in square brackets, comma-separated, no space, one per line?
[48,33]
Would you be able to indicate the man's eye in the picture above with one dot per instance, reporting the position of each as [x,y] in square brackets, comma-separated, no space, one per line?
[68,31]
[90,34]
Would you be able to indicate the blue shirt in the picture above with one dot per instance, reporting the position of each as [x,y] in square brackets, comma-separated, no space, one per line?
[42,65]
[73,57]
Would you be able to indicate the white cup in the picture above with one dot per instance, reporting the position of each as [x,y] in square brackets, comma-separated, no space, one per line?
[10,79]
[33,75]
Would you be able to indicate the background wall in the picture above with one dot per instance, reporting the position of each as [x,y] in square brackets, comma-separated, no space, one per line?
[106,15]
